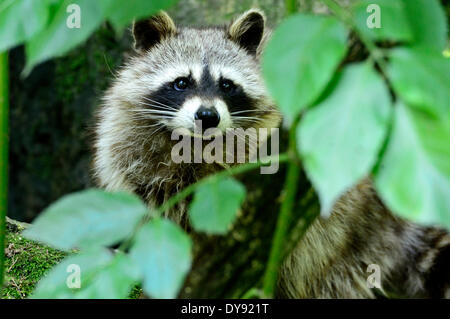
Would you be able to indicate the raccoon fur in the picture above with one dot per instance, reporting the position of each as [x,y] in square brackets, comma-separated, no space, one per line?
[182,73]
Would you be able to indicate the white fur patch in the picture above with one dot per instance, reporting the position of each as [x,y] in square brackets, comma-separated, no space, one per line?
[185,117]
[170,73]
[225,117]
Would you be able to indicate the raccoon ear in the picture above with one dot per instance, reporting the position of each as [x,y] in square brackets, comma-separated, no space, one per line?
[248,30]
[147,33]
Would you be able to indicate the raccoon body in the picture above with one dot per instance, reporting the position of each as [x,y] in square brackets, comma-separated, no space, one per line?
[361,240]
[181,75]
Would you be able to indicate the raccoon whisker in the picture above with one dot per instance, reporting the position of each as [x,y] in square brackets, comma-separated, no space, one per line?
[157,132]
[153,101]
[246,121]
[247,117]
[162,105]
[150,118]
[250,139]
[154,113]
[157,112]
[250,143]
[154,133]
[158,107]
[170,101]
[109,68]
[243,121]
[143,110]
[149,126]
[249,111]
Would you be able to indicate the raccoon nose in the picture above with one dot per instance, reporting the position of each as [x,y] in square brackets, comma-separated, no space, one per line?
[209,117]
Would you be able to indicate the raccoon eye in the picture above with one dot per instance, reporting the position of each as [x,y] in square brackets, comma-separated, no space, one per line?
[181,84]
[227,86]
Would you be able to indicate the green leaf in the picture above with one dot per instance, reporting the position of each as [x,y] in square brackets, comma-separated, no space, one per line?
[428,23]
[57,39]
[114,281]
[215,205]
[101,275]
[394,22]
[122,12]
[301,59]
[418,22]
[54,284]
[340,138]
[422,79]
[414,176]
[87,218]
[20,20]
[162,250]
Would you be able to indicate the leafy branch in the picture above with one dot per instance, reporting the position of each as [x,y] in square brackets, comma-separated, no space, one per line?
[189,190]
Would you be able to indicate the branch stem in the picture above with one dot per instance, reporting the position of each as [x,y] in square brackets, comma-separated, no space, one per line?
[228,172]
[285,217]
[191,189]
[291,6]
[4,108]
[346,17]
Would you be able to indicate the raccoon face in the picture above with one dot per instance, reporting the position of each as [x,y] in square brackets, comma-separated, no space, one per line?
[198,78]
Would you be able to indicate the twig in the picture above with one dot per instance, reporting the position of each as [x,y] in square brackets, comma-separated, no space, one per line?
[4,108]
[191,188]
[228,172]
[346,17]
[285,216]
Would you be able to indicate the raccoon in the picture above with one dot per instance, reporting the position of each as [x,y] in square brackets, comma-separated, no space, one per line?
[180,75]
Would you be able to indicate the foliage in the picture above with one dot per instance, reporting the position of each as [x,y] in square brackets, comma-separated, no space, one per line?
[92,218]
[303,56]
[28,262]
[336,154]
[78,221]
[342,135]
[215,205]
[45,31]
[348,128]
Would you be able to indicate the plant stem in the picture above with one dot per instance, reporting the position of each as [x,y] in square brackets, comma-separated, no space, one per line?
[285,216]
[4,99]
[229,172]
[346,17]
[289,191]
[291,6]
[172,201]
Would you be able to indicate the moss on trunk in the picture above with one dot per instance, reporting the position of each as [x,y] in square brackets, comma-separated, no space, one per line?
[26,262]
